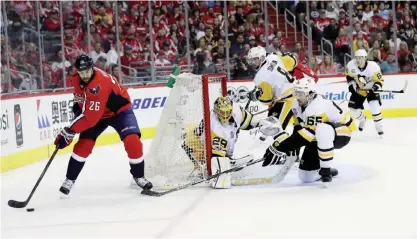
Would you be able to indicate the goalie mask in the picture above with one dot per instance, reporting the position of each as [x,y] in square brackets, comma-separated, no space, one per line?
[256,57]
[361,57]
[223,109]
[304,90]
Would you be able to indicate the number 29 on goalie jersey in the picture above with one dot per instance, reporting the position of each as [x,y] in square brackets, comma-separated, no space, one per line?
[223,136]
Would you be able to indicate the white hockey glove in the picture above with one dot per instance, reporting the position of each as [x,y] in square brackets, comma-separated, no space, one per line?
[218,165]
[267,127]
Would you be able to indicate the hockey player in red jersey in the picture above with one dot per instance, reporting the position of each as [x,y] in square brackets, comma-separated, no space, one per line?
[100,102]
[302,71]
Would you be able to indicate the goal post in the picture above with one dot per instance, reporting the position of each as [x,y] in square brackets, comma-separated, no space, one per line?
[182,146]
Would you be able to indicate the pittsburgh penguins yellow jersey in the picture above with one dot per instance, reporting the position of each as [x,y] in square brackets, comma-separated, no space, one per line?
[289,61]
[321,110]
[223,136]
[274,81]
[370,74]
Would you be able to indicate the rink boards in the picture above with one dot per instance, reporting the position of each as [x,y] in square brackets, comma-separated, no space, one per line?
[30,124]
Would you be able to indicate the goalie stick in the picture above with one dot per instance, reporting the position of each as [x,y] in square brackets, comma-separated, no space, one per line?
[286,167]
[234,169]
[19,204]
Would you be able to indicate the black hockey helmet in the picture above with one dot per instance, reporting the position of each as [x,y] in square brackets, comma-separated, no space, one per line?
[83,62]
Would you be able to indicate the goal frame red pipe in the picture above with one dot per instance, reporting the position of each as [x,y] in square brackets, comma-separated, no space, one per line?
[206,105]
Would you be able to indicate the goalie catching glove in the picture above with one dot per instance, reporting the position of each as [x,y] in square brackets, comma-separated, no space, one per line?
[267,127]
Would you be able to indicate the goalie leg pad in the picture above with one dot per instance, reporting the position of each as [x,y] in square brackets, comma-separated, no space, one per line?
[218,165]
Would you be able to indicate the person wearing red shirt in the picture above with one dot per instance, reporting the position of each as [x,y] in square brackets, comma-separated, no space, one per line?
[100,102]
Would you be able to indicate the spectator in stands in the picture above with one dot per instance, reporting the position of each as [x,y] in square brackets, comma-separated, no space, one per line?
[282,48]
[374,53]
[376,37]
[314,64]
[330,11]
[161,59]
[328,67]
[97,52]
[412,59]
[274,46]
[402,55]
[219,55]
[101,63]
[386,48]
[331,31]
[127,58]
[342,45]
[407,32]
[301,53]
[203,64]
[360,42]
[343,20]
[52,22]
[201,45]
[319,26]
[388,66]
[237,45]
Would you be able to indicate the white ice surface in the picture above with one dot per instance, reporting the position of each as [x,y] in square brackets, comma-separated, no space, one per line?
[375,195]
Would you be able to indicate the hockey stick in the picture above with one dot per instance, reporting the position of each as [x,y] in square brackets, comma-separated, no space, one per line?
[391,91]
[286,167]
[237,168]
[18,204]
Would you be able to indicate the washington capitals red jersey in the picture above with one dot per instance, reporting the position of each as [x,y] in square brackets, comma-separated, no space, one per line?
[101,98]
[301,71]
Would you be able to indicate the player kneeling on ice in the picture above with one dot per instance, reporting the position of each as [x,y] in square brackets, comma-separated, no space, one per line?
[320,125]
[100,102]
[227,119]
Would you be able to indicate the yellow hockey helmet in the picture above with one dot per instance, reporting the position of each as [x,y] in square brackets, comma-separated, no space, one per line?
[223,107]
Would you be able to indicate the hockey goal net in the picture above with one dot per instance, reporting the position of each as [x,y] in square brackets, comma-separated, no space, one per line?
[181,149]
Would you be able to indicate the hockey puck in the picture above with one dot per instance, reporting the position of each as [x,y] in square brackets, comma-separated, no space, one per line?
[30,209]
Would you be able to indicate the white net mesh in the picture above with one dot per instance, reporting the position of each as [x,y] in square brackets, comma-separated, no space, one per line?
[178,152]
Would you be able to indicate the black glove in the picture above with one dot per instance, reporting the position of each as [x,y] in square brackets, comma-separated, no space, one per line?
[255,94]
[76,109]
[376,87]
[273,156]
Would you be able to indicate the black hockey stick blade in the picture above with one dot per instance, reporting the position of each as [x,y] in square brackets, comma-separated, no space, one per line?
[234,169]
[17,204]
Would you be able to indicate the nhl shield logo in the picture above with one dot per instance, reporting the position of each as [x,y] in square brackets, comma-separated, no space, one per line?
[295,111]
[232,134]
[94,90]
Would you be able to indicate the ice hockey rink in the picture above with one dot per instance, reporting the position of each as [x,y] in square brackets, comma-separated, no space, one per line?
[375,195]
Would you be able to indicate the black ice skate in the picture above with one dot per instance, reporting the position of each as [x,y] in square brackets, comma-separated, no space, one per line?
[143,183]
[326,175]
[334,172]
[66,186]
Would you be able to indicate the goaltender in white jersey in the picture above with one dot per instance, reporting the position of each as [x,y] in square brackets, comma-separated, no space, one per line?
[226,120]
[273,82]
[320,125]
[365,79]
